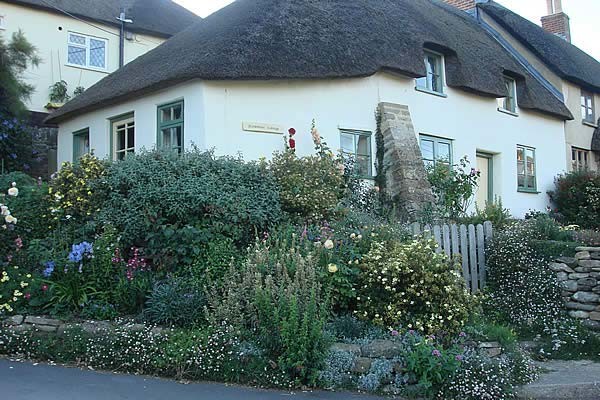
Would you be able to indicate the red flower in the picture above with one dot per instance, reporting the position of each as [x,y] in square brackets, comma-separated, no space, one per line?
[292,144]
[44,288]
[292,131]
[27,296]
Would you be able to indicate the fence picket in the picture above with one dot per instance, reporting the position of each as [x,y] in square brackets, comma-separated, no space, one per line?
[454,239]
[465,255]
[446,239]
[437,235]
[481,255]
[473,259]
[415,228]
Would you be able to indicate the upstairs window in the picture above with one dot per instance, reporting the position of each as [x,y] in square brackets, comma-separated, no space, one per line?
[435,150]
[526,169]
[587,107]
[87,51]
[434,80]
[81,144]
[170,127]
[356,145]
[509,102]
[580,159]
[2,22]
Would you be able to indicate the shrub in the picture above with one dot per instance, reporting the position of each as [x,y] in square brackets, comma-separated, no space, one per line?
[77,192]
[175,302]
[174,204]
[15,145]
[277,301]
[587,236]
[379,372]
[493,212]
[453,188]
[577,198]
[310,187]
[15,289]
[410,284]
[337,371]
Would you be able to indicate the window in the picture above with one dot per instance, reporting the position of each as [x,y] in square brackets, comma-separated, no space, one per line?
[357,146]
[509,103]
[580,159]
[86,51]
[435,150]
[2,22]
[170,127]
[587,107]
[81,144]
[123,137]
[434,80]
[526,169]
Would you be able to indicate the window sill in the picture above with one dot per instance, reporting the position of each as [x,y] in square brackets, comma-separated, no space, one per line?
[503,111]
[528,191]
[591,124]
[424,90]
[102,71]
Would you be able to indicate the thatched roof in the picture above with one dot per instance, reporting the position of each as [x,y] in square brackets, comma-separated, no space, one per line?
[562,57]
[322,39]
[158,17]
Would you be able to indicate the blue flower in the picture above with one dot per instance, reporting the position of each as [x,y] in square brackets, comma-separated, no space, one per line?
[49,268]
[13,156]
[79,251]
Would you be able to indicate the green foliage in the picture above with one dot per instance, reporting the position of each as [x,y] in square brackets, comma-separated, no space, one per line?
[15,57]
[281,308]
[175,302]
[551,249]
[175,204]
[77,193]
[310,187]
[409,284]
[453,187]
[493,212]
[59,92]
[15,285]
[577,198]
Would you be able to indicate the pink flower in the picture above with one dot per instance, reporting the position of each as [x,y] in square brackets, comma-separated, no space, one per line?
[27,296]
[395,333]
[44,288]
[19,243]
[292,131]
[436,353]
[292,144]
[459,358]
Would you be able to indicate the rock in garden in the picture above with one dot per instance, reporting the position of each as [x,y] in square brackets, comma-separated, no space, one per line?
[593,325]
[490,349]
[45,328]
[586,297]
[570,261]
[579,314]
[586,284]
[570,286]
[94,327]
[14,320]
[595,316]
[583,255]
[578,306]
[595,256]
[43,321]
[589,264]
[579,275]
[362,365]
[588,249]
[381,349]
[350,348]
[558,267]
[583,269]
[562,276]
[20,328]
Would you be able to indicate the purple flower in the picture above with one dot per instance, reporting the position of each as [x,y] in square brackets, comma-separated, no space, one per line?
[462,334]
[394,333]
[412,332]
[459,358]
[436,353]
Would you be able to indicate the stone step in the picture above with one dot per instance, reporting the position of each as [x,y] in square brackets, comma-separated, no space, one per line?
[565,380]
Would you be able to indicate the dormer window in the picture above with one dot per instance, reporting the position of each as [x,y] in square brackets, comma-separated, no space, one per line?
[433,82]
[509,102]
[2,22]
[587,107]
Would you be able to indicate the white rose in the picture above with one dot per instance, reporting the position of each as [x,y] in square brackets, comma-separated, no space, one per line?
[328,244]
[10,219]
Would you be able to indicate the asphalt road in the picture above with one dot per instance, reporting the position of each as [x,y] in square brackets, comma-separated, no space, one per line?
[26,381]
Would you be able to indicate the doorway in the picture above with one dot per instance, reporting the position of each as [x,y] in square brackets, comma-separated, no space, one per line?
[485,188]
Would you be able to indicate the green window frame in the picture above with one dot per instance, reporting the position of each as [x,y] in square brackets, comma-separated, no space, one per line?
[356,144]
[509,102]
[122,136]
[433,81]
[526,169]
[435,150]
[81,144]
[170,119]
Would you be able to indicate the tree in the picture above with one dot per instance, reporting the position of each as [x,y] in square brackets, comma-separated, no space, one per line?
[15,57]
[15,139]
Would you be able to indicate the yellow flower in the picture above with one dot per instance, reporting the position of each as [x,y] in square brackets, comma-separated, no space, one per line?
[332,268]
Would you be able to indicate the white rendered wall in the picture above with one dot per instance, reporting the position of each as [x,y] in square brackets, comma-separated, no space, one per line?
[41,28]
[215,111]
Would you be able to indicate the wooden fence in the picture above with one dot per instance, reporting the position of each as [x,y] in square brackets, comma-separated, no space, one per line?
[466,241]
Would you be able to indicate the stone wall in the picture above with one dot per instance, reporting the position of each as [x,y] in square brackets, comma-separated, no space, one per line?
[405,174]
[579,279]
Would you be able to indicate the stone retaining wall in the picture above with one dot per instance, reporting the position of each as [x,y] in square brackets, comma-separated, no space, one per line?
[579,279]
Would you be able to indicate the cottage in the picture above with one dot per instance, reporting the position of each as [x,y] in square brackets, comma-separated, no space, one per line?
[235,82]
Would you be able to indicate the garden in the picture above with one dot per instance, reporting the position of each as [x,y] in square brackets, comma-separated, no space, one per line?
[288,273]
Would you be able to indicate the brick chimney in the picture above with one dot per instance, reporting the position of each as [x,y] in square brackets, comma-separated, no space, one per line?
[464,5]
[557,22]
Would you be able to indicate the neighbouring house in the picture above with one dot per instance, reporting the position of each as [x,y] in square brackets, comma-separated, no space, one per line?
[571,74]
[79,42]
[443,86]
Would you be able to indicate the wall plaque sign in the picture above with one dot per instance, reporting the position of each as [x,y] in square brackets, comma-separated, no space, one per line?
[263,127]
